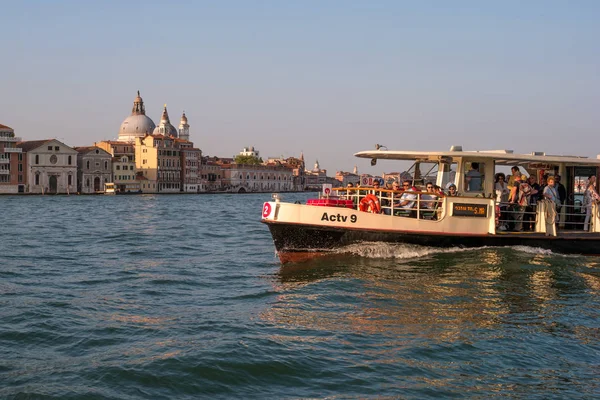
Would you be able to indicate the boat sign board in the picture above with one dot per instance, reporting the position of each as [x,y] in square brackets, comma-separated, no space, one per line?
[469,210]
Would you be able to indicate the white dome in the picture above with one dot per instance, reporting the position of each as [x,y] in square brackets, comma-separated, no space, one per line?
[135,126]
[168,130]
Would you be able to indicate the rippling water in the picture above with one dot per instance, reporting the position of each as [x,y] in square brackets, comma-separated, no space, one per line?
[181,296]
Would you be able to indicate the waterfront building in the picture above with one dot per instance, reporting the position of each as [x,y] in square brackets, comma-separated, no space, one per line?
[297,167]
[94,169]
[191,158]
[210,174]
[137,125]
[11,162]
[315,178]
[124,171]
[49,166]
[242,178]
[158,159]
[348,177]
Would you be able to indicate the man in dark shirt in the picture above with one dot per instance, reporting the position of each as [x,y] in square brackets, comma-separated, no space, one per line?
[562,192]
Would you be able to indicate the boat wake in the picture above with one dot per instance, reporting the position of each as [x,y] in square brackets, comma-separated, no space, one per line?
[411,251]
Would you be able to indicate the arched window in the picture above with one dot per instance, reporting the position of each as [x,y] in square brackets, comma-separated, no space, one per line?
[105,165]
[37,178]
[69,160]
[87,165]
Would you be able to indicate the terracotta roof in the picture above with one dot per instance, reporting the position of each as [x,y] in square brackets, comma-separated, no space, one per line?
[5,127]
[32,144]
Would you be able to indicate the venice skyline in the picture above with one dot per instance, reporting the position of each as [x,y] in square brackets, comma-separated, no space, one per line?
[328,79]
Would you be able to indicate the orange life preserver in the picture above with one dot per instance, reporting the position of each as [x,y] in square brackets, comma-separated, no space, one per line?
[370,203]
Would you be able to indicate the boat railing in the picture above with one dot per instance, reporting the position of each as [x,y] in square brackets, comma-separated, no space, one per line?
[425,205]
[515,217]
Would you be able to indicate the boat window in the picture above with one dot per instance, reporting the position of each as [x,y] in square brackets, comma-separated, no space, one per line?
[474,176]
[447,174]
[422,172]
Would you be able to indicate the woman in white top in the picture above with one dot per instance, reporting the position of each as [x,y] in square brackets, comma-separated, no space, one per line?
[589,197]
[501,188]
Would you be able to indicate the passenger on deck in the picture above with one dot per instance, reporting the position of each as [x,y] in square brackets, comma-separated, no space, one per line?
[408,199]
[515,172]
[473,178]
[519,199]
[561,190]
[383,196]
[429,200]
[502,193]
[589,197]
[551,194]
[452,190]
[531,209]
[501,188]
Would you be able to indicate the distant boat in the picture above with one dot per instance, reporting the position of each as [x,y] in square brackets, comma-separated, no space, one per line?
[109,188]
[473,218]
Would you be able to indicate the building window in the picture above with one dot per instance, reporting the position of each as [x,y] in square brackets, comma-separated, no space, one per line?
[87,165]
[69,160]
[70,180]
[37,179]
[130,167]
[118,167]
[37,160]
[50,148]
[105,165]
[56,148]
[87,182]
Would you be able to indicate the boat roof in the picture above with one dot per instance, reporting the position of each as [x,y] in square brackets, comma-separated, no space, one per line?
[501,157]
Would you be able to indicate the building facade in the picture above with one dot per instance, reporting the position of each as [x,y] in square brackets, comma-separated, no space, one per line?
[50,166]
[241,178]
[94,169]
[210,174]
[191,159]
[11,167]
[158,159]
[124,171]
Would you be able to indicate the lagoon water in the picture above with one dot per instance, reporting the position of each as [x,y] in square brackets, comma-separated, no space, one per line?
[182,297]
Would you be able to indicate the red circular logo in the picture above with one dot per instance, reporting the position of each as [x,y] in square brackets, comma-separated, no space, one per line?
[266,210]
[327,191]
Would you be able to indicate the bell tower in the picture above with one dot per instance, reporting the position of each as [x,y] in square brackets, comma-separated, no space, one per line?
[184,128]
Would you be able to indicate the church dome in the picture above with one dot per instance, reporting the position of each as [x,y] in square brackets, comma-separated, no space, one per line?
[138,124]
[164,127]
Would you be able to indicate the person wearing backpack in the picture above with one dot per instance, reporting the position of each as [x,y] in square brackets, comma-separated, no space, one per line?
[519,200]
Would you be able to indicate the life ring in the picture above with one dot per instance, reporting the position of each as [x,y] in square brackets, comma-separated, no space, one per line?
[370,203]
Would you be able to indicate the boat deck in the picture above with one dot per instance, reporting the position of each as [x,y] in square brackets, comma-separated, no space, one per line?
[561,234]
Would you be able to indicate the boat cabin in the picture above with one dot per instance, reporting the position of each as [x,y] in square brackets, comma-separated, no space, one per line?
[474,173]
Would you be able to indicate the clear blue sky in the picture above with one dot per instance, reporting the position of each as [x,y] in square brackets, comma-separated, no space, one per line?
[329,78]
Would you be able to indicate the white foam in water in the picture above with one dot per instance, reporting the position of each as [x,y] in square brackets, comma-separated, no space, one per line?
[401,251]
[390,250]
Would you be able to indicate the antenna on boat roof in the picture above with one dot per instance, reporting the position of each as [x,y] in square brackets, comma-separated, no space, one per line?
[380,146]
